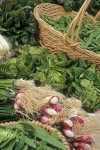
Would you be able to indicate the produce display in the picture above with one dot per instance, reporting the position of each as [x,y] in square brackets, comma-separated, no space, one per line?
[89,37]
[53,108]
[39,89]
[73,77]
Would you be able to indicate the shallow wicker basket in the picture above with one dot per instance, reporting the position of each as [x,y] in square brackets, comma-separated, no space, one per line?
[48,128]
[55,41]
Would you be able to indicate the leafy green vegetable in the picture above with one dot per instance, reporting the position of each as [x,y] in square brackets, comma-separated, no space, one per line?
[24,64]
[26,135]
[6,108]
[70,5]
[56,77]
[83,83]
[17,21]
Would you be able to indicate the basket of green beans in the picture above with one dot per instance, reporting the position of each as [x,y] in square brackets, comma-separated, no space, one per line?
[75,33]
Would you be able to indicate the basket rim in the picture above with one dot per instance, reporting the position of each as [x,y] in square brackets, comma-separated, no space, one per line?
[41,21]
[48,128]
[37,16]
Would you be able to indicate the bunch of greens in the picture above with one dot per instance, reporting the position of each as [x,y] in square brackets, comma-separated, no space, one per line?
[52,71]
[17,21]
[70,5]
[7,113]
[28,136]
[24,64]
[83,82]
[89,37]
[7,91]
[94,7]
[36,62]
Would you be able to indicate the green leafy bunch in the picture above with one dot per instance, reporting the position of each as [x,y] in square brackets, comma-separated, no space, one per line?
[28,136]
[17,21]
[83,82]
[36,63]
[52,71]
[24,65]
[70,5]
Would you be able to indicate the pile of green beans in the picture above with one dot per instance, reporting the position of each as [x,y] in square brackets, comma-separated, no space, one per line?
[89,37]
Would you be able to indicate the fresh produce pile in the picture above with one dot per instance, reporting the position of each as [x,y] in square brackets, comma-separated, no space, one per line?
[70,84]
[73,77]
[28,136]
[89,37]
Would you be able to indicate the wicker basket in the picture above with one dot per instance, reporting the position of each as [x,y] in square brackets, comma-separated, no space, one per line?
[98,15]
[49,129]
[55,41]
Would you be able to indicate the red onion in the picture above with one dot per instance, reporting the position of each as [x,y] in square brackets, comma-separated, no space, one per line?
[50,111]
[18,102]
[16,106]
[19,95]
[54,100]
[84,138]
[67,124]
[75,144]
[77,119]
[56,107]
[68,133]
[86,146]
[44,119]
[21,91]
[79,148]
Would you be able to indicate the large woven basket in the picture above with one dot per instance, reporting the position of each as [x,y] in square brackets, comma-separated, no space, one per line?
[56,41]
[48,128]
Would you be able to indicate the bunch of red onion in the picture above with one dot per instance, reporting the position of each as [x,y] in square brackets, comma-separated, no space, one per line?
[17,101]
[82,142]
[51,110]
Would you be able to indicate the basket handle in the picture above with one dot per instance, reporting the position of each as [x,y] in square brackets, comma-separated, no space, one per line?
[97,15]
[78,19]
